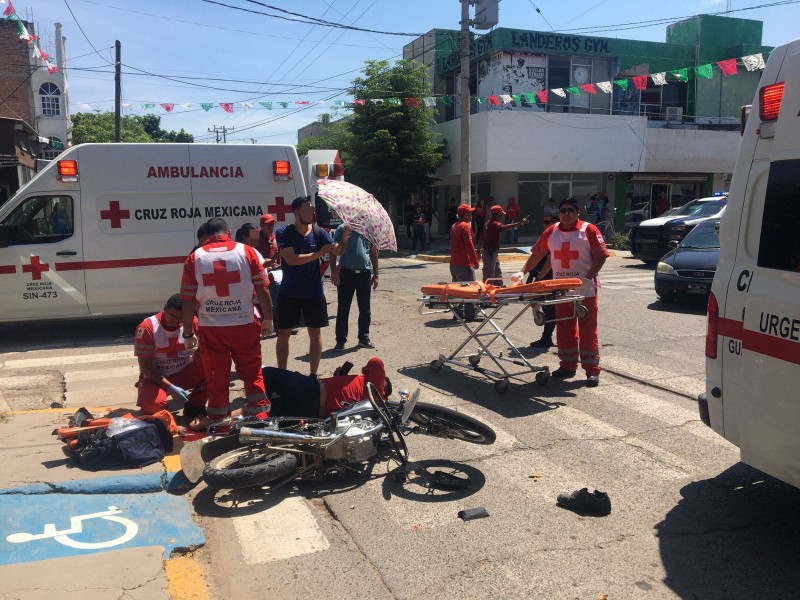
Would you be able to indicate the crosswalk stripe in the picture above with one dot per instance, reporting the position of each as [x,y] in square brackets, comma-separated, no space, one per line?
[101,374]
[66,359]
[580,425]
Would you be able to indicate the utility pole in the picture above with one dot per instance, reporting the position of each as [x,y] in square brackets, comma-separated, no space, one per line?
[117,90]
[224,130]
[466,175]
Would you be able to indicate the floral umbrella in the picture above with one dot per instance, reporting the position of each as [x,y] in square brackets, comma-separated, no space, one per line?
[361,210]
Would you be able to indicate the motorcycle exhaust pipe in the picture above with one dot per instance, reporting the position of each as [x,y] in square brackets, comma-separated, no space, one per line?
[271,436]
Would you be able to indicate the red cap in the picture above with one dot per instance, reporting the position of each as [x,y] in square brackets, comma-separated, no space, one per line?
[266,219]
[464,208]
[497,209]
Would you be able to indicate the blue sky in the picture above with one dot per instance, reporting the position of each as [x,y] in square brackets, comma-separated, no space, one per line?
[236,56]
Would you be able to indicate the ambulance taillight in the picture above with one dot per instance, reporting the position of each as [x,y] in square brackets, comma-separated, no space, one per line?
[282,170]
[712,328]
[769,101]
[338,170]
[321,171]
[68,170]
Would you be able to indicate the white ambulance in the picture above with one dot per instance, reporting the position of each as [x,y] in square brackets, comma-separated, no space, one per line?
[753,340]
[105,229]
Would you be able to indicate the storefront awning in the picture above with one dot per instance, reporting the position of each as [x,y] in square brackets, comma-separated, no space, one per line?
[668,178]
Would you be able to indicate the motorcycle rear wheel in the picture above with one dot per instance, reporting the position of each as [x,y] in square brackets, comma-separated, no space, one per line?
[240,469]
[442,422]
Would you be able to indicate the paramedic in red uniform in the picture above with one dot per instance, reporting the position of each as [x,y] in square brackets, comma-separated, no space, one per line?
[463,258]
[218,282]
[576,249]
[166,366]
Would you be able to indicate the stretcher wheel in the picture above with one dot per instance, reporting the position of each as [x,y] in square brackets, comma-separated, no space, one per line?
[501,386]
[542,377]
[538,316]
[474,359]
[581,311]
[436,366]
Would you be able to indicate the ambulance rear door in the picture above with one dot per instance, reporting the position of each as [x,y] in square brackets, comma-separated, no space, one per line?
[138,224]
[239,183]
[761,319]
[40,268]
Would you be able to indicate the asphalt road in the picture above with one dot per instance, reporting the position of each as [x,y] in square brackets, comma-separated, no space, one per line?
[688,520]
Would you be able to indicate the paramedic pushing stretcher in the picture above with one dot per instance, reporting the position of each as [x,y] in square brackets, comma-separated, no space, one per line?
[219,280]
[296,395]
[576,249]
[166,366]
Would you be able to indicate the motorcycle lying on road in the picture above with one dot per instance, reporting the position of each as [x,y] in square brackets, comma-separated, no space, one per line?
[275,451]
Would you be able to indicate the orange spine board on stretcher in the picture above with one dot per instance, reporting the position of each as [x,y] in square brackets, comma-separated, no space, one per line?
[477,289]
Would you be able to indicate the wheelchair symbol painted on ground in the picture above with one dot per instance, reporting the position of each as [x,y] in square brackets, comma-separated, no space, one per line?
[62,536]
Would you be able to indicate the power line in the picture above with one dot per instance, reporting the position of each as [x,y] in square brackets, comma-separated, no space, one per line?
[541,15]
[84,34]
[308,20]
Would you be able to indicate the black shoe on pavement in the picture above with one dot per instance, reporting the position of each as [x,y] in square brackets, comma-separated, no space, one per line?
[584,501]
[339,347]
[562,373]
[592,381]
[365,343]
[542,343]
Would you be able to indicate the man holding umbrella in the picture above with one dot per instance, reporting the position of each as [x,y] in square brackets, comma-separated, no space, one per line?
[356,273]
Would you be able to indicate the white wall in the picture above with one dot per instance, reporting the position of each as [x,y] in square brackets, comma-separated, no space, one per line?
[512,141]
[691,150]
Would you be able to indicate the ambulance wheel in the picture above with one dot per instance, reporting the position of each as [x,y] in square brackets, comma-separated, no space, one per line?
[436,366]
[501,386]
[474,360]
[581,311]
[538,316]
[542,377]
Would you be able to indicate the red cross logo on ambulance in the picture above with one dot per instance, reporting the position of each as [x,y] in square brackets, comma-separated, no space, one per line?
[115,214]
[280,209]
[35,268]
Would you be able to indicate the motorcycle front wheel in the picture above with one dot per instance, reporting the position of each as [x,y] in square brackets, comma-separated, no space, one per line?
[442,422]
[248,467]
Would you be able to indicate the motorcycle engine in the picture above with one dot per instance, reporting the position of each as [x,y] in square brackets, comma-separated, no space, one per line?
[358,443]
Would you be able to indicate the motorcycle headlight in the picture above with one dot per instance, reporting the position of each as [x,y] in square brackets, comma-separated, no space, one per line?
[665,269]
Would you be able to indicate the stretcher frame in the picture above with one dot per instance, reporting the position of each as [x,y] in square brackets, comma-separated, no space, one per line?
[489,309]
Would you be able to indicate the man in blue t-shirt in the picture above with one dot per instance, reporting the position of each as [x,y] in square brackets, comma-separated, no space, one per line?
[356,273]
[302,245]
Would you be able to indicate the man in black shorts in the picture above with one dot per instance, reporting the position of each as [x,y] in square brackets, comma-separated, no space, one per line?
[293,394]
[302,245]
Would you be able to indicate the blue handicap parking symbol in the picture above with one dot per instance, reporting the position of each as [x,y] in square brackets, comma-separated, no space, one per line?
[45,526]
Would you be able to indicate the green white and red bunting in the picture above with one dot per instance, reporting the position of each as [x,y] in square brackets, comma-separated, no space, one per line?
[728,68]
[10,16]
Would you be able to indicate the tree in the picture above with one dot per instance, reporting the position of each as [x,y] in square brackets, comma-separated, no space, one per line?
[393,151]
[91,127]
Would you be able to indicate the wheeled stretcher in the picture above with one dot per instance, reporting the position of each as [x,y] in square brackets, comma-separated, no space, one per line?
[489,299]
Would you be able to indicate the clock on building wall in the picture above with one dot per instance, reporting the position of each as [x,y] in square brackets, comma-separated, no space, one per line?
[580,74]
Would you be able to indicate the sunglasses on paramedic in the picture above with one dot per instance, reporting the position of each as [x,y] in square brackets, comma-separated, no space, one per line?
[566,209]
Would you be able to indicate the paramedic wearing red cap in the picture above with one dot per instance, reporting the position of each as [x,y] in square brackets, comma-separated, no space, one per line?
[490,242]
[218,283]
[166,366]
[576,249]
[296,395]
[267,245]
[463,258]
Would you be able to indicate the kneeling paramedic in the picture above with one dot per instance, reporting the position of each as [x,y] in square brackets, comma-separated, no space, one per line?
[166,366]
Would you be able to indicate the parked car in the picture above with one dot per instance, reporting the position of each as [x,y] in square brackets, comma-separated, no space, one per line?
[687,269]
[650,239]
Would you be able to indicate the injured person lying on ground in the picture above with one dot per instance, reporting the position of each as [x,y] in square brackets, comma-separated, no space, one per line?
[293,394]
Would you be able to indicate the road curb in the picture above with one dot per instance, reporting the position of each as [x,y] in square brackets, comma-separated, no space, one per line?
[122,484]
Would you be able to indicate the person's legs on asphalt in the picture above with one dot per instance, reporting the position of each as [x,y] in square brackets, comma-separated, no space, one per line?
[344,294]
[363,292]
[246,354]
[314,348]
[216,357]
[589,347]
[567,339]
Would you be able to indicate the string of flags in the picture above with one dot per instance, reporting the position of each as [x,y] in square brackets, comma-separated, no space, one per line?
[10,14]
[727,67]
